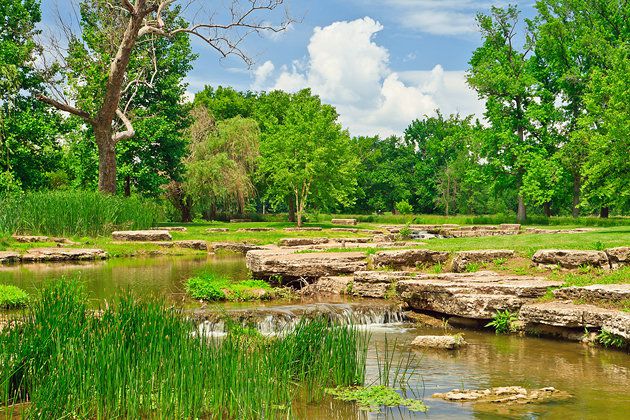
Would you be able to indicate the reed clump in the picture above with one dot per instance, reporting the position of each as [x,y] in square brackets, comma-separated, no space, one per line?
[138,359]
[74,213]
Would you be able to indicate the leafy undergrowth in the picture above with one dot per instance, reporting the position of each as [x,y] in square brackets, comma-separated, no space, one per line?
[12,297]
[372,397]
[212,287]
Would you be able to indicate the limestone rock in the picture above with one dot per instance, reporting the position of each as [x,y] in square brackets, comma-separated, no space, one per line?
[303,229]
[447,342]
[347,222]
[192,244]
[351,230]
[595,292]
[504,395]
[618,324]
[173,228]
[236,247]
[570,258]
[9,257]
[307,266]
[142,235]
[565,314]
[463,258]
[330,285]
[377,284]
[30,239]
[510,226]
[217,230]
[409,257]
[63,254]
[302,241]
[472,295]
[618,256]
[256,229]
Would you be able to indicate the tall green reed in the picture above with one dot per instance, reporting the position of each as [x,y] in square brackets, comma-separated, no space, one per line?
[74,213]
[139,359]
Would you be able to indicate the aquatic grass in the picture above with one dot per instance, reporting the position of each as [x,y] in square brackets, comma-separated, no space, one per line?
[136,359]
[12,297]
[74,213]
[503,322]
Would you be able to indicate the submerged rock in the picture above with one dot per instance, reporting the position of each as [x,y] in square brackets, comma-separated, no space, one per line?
[463,258]
[447,342]
[142,235]
[409,257]
[570,258]
[504,395]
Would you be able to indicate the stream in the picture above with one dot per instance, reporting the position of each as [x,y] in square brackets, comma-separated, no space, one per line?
[599,379]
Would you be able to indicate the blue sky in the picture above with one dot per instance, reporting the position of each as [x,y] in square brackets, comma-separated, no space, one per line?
[382,63]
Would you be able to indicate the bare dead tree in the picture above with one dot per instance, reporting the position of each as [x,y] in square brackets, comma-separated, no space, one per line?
[139,19]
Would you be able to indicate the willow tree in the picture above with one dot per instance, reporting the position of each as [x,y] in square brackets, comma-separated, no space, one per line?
[128,26]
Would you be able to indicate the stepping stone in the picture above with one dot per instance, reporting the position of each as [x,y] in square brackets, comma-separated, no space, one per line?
[142,235]
[289,242]
[173,228]
[347,222]
[255,229]
[446,342]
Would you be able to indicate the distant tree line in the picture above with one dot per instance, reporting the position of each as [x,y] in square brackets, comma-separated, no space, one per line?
[555,138]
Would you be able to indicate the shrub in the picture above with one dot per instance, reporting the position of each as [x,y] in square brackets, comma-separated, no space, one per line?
[405,232]
[12,297]
[404,207]
[503,322]
[74,213]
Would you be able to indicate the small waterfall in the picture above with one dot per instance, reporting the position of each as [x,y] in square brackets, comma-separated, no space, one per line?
[281,319]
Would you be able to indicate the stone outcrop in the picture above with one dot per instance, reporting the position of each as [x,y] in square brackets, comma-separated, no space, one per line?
[331,285]
[217,230]
[235,247]
[570,258]
[463,258]
[289,242]
[409,257]
[446,342]
[377,284]
[504,395]
[595,292]
[619,256]
[63,254]
[173,228]
[9,257]
[471,295]
[308,266]
[346,222]
[303,229]
[142,235]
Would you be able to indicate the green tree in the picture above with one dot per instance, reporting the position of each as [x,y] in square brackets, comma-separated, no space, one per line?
[308,156]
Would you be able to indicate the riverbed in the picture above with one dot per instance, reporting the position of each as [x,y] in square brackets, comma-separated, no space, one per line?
[599,379]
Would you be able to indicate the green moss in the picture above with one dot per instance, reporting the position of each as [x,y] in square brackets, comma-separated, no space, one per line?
[12,297]
[211,287]
[372,397]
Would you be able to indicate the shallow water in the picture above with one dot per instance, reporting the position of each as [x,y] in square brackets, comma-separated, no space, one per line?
[599,379]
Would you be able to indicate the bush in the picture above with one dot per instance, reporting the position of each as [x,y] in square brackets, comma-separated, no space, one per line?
[74,213]
[12,297]
[210,287]
[404,207]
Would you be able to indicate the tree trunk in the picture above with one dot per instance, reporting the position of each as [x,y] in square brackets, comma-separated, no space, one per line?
[106,161]
[127,186]
[547,208]
[521,215]
[299,218]
[291,210]
[577,183]
[186,209]
[603,213]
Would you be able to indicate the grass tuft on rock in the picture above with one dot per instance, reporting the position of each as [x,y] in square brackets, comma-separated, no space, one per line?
[212,288]
[12,297]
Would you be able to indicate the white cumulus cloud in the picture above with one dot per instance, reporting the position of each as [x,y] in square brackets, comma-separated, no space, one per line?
[348,69]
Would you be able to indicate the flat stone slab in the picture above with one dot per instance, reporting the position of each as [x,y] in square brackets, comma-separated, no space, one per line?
[565,314]
[304,265]
[142,235]
[446,342]
[570,258]
[619,256]
[256,229]
[173,228]
[303,229]
[217,230]
[331,285]
[30,239]
[595,292]
[504,395]
[350,230]
[409,257]
[463,258]
[377,284]
[302,241]
[472,295]
[63,254]
[347,222]
[9,257]
[235,247]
